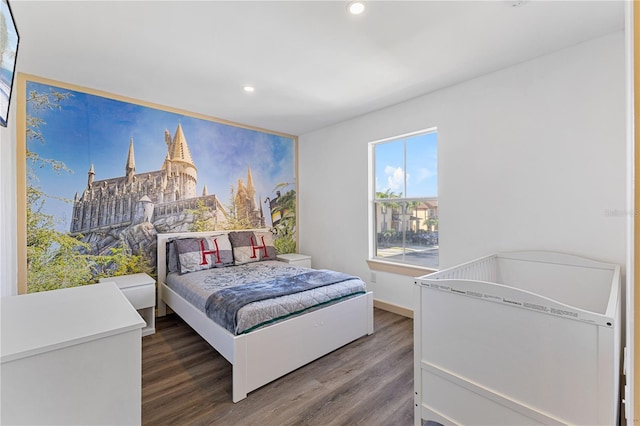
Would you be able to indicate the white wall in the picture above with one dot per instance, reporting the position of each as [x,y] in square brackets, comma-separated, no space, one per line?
[8,261]
[530,157]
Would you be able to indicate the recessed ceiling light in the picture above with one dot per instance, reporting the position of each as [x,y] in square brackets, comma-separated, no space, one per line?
[249,89]
[355,7]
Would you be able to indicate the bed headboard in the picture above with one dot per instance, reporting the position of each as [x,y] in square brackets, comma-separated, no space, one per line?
[164,239]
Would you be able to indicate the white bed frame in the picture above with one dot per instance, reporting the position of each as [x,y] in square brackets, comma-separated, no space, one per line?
[268,353]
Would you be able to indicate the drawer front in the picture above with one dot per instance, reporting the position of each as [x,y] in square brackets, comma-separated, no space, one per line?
[141,296]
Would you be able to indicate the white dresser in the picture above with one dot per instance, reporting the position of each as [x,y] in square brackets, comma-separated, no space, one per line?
[70,356]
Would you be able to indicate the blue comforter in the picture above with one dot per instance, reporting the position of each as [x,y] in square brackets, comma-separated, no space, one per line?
[222,306]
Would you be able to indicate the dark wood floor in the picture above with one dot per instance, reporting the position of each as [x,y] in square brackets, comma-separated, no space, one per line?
[370,381]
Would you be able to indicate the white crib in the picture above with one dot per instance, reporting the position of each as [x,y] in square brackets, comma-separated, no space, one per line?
[518,339]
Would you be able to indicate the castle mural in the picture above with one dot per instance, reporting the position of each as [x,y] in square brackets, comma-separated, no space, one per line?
[158,195]
[103,180]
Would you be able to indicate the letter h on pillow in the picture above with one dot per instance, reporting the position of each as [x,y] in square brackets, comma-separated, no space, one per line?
[252,246]
[196,254]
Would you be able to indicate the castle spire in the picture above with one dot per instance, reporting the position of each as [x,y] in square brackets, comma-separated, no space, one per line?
[249,179]
[241,188]
[179,150]
[91,174]
[251,191]
[130,168]
[261,213]
[167,139]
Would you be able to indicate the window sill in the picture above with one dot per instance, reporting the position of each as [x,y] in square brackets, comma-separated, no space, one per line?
[399,268]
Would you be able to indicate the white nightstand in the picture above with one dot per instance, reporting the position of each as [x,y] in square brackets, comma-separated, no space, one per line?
[295,259]
[140,290]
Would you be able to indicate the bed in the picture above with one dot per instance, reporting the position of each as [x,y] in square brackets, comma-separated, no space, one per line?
[259,353]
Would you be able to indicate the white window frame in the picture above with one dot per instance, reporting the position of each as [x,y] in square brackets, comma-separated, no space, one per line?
[379,263]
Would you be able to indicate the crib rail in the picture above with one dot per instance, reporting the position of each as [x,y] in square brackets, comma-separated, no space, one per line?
[546,282]
[482,269]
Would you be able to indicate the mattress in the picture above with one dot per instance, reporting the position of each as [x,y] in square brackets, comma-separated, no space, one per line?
[197,287]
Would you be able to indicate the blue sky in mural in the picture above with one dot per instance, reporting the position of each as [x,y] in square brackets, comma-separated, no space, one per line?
[95,130]
[420,170]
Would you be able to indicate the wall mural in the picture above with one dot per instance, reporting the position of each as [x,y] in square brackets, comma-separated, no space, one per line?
[105,174]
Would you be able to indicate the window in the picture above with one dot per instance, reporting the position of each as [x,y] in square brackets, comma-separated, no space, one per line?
[404,199]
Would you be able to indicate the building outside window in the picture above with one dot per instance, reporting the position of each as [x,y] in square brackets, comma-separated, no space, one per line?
[404,199]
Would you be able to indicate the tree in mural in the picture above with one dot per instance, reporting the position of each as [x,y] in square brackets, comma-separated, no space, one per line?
[56,259]
[53,258]
[203,218]
[283,209]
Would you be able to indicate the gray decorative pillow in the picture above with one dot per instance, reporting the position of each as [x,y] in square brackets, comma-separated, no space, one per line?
[172,257]
[252,246]
[196,254]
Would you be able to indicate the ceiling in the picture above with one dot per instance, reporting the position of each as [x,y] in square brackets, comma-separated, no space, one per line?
[311,63]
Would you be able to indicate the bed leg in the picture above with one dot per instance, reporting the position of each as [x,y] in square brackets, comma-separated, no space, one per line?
[162,308]
[239,385]
[239,369]
[238,395]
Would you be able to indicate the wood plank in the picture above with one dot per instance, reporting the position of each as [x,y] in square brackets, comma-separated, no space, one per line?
[185,381]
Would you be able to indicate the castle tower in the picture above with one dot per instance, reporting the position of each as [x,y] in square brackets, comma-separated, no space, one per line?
[143,211]
[181,164]
[130,167]
[245,202]
[251,192]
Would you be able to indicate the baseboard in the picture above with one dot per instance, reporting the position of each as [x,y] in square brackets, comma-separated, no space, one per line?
[396,309]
